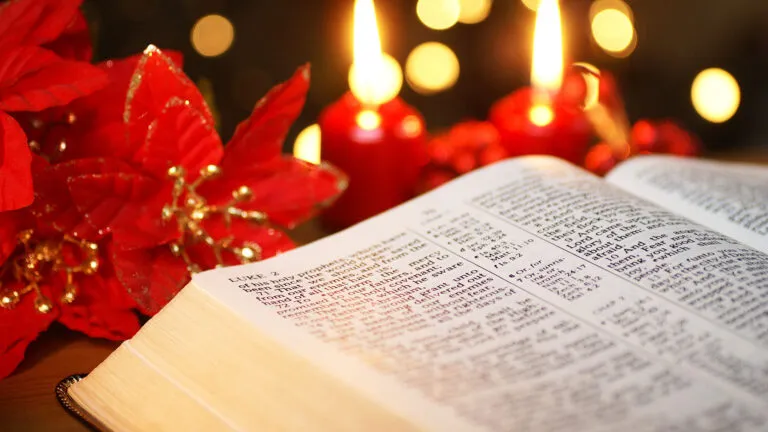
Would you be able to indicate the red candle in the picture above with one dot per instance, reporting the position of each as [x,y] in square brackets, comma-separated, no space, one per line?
[558,129]
[538,120]
[370,133]
[382,151]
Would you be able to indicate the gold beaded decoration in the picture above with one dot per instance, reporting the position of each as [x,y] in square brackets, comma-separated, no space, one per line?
[33,261]
[190,209]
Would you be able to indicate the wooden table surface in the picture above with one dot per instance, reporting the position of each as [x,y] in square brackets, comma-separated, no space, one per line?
[27,401]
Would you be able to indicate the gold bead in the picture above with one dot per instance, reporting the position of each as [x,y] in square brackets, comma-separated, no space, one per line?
[175,249]
[92,246]
[255,216]
[25,236]
[176,172]
[43,305]
[91,267]
[70,292]
[34,145]
[192,201]
[234,211]
[247,253]
[167,213]
[10,299]
[243,193]
[62,146]
[198,215]
[71,118]
[210,171]
[37,123]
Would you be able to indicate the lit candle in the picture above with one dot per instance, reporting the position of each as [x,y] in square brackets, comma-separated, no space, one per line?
[537,120]
[370,133]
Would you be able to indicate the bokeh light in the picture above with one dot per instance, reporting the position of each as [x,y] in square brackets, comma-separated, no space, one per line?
[411,126]
[715,95]
[600,5]
[438,14]
[431,68]
[474,11]
[614,32]
[212,35]
[389,81]
[531,4]
[307,144]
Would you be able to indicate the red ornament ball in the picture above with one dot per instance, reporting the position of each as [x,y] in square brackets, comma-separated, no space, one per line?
[646,137]
[465,147]
[663,136]
[600,159]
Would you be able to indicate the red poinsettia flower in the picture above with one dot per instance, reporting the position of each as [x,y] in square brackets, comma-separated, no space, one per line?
[41,43]
[87,127]
[48,274]
[185,202]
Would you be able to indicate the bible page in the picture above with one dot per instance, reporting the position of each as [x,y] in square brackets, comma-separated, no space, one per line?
[530,296]
[728,197]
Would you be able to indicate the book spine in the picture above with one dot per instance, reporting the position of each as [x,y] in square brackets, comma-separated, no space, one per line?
[72,407]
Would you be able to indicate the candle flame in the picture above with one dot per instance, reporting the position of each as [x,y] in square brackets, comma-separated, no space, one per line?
[547,68]
[369,69]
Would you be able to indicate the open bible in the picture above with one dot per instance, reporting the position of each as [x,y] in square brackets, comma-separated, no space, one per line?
[528,296]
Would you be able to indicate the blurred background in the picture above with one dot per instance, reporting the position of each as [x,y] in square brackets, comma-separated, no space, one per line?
[236,50]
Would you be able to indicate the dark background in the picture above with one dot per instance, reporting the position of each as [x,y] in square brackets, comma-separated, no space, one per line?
[676,40]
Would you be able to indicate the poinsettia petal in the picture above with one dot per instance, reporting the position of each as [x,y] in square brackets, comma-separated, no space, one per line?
[23,60]
[54,208]
[241,233]
[34,22]
[34,79]
[140,225]
[260,137]
[95,140]
[155,81]
[75,41]
[102,308]
[297,192]
[19,326]
[15,166]
[180,136]
[17,20]
[129,205]
[288,190]
[152,276]
[10,225]
[122,70]
[99,130]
